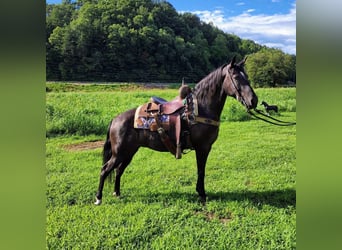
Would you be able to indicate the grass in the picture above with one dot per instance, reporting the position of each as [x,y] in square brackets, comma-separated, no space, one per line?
[84,109]
[250,183]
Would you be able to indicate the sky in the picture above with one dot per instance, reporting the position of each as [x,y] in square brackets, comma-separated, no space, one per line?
[267,22]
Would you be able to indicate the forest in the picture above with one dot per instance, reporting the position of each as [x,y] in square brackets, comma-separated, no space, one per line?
[149,41]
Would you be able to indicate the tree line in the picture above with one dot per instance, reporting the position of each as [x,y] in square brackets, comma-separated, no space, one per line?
[148,41]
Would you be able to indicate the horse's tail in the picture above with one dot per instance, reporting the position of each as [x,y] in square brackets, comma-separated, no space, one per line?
[107,152]
[107,147]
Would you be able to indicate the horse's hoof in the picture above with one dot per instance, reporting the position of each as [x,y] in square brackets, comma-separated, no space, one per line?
[98,202]
[203,200]
[116,194]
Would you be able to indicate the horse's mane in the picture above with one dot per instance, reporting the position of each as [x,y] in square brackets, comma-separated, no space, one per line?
[209,85]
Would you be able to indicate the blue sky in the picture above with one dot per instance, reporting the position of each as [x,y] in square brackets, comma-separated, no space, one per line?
[268,22]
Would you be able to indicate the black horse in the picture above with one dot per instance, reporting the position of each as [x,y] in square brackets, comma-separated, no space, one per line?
[123,140]
[269,108]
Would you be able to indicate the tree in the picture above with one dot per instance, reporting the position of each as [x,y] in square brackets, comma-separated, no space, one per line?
[219,50]
[269,68]
[144,40]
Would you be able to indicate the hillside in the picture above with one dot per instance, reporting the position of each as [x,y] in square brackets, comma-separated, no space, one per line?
[136,40]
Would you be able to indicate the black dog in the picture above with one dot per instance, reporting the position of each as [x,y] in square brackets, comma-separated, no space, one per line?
[269,107]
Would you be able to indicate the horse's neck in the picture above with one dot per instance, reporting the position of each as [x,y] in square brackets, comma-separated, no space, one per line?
[211,101]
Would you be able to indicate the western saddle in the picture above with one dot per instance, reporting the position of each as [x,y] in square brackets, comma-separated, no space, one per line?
[173,111]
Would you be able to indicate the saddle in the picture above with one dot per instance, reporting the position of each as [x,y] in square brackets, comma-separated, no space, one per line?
[165,118]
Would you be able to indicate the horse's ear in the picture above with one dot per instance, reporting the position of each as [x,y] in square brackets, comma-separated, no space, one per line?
[242,61]
[232,63]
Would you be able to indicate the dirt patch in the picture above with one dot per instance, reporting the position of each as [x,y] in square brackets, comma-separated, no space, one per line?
[225,220]
[211,216]
[84,145]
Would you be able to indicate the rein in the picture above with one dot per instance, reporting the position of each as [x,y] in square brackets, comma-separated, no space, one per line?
[274,122]
[277,122]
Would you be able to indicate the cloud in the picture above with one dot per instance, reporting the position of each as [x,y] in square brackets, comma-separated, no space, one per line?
[277,30]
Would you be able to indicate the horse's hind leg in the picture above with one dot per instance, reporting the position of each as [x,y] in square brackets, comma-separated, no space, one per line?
[120,170]
[105,171]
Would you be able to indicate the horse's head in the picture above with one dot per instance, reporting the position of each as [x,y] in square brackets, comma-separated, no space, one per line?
[236,84]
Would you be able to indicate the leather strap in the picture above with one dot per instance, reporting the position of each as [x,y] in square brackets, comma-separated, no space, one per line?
[164,137]
[207,121]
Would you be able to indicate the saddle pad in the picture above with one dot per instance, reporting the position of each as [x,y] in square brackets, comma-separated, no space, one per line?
[143,120]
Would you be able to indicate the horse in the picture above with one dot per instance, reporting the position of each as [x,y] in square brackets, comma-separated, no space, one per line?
[269,108]
[123,140]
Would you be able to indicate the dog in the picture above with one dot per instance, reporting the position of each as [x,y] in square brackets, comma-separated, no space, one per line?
[269,107]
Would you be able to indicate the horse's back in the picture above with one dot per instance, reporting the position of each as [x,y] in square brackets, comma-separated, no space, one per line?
[124,135]
[124,119]
[121,127]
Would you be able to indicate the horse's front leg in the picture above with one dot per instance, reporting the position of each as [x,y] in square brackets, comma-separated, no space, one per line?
[201,157]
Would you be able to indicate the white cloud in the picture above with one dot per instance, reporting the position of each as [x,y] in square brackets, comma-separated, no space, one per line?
[277,30]
[240,4]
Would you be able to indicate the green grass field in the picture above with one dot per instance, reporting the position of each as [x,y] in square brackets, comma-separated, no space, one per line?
[250,179]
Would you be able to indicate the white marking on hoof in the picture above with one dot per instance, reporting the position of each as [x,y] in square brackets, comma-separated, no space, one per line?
[98,202]
[116,195]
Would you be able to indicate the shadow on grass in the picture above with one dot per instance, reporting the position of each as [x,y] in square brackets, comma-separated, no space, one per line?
[277,198]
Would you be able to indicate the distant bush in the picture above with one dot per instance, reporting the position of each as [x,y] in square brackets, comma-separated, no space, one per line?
[234,111]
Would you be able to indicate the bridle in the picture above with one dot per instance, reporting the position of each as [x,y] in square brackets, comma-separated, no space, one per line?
[249,111]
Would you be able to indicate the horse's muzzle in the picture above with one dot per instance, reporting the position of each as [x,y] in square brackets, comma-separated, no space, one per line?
[251,103]
[254,102]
